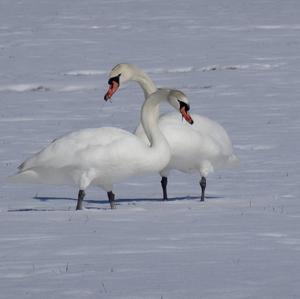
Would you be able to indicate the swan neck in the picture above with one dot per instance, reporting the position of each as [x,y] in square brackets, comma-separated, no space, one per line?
[148,87]
[149,118]
[145,82]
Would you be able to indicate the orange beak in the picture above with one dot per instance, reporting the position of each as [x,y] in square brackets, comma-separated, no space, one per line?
[113,87]
[186,115]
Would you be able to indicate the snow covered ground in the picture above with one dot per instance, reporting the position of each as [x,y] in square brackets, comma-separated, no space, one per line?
[239,63]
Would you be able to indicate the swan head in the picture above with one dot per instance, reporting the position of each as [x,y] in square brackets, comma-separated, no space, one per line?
[120,74]
[180,102]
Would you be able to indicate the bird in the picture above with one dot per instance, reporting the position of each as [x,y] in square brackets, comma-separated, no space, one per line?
[202,148]
[104,156]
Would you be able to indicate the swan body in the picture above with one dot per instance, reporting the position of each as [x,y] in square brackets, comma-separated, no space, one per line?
[93,150]
[201,148]
[103,156]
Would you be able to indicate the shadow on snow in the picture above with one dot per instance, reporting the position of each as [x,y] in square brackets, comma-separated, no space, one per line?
[102,202]
[124,200]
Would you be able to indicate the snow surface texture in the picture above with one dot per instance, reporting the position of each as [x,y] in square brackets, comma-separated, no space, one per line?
[239,63]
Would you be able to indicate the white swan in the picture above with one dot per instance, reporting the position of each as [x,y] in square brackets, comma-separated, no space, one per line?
[201,148]
[104,156]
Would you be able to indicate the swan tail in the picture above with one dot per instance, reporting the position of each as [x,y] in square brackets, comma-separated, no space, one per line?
[27,176]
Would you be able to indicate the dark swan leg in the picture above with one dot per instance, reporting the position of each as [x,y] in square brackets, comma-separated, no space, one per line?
[81,195]
[203,186]
[164,182]
[111,198]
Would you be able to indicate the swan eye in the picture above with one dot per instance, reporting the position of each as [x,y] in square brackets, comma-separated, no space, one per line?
[114,79]
[185,105]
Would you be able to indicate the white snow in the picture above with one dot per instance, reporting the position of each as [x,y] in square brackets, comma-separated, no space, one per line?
[239,64]
[86,73]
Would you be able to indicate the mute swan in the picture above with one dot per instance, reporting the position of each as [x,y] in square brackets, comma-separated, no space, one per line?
[202,148]
[104,156]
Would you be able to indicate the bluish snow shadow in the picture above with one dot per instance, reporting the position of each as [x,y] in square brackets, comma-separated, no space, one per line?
[120,200]
[103,202]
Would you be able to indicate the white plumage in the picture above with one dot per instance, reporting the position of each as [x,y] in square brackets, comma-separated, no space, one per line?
[102,156]
[201,148]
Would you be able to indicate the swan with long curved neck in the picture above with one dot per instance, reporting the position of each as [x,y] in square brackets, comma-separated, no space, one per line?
[202,148]
[104,156]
